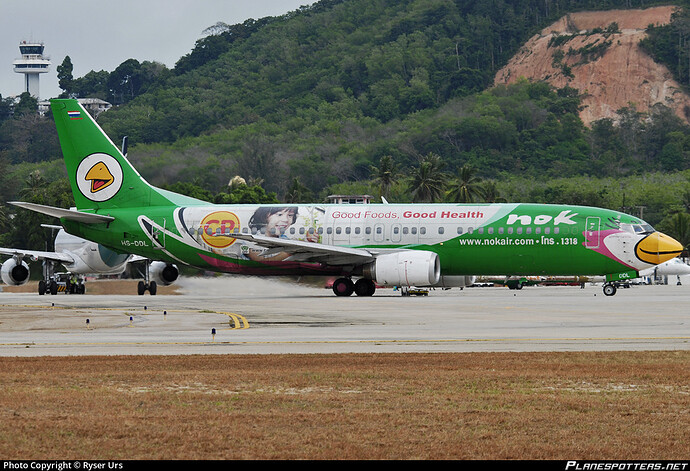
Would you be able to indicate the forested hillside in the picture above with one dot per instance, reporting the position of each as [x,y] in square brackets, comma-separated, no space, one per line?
[381,96]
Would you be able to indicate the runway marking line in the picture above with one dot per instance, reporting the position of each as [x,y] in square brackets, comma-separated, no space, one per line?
[297,342]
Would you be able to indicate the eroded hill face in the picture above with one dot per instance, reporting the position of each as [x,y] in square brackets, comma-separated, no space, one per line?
[598,54]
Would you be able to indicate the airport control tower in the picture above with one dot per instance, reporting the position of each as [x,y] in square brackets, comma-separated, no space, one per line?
[31,65]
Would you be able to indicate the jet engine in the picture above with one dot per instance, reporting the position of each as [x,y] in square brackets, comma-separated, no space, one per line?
[14,273]
[163,273]
[408,268]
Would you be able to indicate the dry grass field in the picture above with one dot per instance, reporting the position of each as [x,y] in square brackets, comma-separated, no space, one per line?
[620,405]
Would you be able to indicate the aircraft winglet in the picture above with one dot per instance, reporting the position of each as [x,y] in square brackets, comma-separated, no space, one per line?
[71,214]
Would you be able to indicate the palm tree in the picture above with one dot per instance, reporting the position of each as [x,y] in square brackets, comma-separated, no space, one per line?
[491,193]
[428,181]
[385,174]
[298,192]
[467,188]
[34,190]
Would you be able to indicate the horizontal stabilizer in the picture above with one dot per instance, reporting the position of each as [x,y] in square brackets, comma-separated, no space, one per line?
[71,214]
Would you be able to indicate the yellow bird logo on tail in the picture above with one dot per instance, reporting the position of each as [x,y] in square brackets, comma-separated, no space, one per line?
[100,177]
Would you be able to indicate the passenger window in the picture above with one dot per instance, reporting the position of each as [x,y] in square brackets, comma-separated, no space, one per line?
[338,230]
[292,230]
[329,230]
[414,230]
[556,230]
[459,230]
[547,230]
[396,230]
[367,230]
[422,230]
[501,230]
[441,230]
[519,230]
[358,230]
[491,230]
[347,230]
[405,230]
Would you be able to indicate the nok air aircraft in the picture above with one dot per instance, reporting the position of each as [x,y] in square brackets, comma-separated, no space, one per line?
[401,245]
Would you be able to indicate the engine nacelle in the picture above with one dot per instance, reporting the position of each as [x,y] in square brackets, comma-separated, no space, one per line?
[456,281]
[407,268]
[163,273]
[14,273]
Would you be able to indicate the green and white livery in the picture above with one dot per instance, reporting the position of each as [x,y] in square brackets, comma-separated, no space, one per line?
[361,245]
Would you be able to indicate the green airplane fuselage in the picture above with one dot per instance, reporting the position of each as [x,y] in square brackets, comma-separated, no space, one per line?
[478,239]
[393,243]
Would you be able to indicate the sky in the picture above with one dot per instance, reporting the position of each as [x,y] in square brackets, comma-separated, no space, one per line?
[101,34]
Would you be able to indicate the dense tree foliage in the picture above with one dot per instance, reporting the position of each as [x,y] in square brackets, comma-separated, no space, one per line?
[386,98]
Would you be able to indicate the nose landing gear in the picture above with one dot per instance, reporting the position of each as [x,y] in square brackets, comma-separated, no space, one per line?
[609,289]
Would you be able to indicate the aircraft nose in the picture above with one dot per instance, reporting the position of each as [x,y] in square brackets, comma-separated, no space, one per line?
[657,248]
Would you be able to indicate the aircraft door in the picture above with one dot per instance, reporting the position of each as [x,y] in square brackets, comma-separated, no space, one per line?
[592,234]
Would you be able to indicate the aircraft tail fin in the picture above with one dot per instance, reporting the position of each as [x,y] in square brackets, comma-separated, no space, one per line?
[101,177]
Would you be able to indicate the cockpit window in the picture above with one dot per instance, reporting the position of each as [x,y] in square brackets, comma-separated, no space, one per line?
[639,228]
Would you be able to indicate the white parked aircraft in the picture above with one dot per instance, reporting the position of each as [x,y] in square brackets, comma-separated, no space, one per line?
[80,257]
[674,266]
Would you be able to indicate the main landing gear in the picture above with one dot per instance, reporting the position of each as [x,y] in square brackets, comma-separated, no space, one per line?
[52,282]
[147,285]
[345,287]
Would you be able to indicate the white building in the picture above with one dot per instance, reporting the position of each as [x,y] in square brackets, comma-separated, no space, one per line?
[94,106]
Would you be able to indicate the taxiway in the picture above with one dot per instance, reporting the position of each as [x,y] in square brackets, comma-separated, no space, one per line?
[254,316]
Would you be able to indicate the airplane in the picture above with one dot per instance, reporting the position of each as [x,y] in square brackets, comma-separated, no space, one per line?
[674,266]
[394,244]
[80,257]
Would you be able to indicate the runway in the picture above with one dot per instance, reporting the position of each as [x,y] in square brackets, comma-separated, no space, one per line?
[231,315]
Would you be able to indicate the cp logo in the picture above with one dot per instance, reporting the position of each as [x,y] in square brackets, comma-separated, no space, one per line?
[217,227]
[99,177]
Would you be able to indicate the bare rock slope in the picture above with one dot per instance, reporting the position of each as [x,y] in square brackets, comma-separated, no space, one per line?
[598,53]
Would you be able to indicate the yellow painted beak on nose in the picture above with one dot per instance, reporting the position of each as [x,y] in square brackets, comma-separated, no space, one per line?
[657,248]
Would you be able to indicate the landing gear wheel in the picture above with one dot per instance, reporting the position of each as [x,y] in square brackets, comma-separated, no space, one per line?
[609,289]
[42,287]
[53,287]
[142,287]
[343,287]
[364,287]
